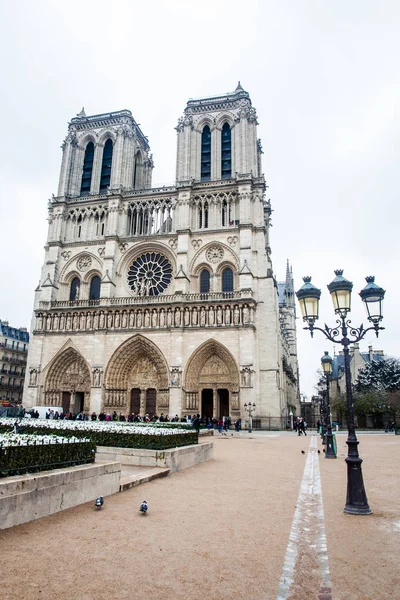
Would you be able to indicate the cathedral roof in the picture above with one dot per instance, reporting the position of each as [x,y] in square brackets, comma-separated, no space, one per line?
[210,102]
[13,332]
[120,117]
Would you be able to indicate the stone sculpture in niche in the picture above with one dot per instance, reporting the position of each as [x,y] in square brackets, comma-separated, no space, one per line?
[96,378]
[32,376]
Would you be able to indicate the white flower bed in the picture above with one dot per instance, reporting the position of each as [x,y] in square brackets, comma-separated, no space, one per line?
[26,439]
[101,426]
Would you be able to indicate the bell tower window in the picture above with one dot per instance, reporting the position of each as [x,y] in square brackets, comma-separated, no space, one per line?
[226,152]
[87,169]
[106,164]
[206,154]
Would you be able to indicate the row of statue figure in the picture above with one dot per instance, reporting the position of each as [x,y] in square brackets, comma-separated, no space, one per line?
[141,287]
[116,398]
[192,401]
[137,318]
[52,398]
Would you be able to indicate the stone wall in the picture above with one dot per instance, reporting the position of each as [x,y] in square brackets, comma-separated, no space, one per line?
[27,497]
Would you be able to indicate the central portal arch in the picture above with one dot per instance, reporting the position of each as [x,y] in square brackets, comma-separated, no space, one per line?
[212,382]
[136,379]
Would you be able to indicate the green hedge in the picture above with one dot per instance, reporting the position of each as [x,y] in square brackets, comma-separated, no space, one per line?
[119,440]
[17,460]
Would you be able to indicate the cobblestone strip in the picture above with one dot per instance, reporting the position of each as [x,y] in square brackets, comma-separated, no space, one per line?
[307,539]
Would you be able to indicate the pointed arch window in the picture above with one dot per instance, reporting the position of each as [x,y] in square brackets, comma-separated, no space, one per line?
[105,177]
[203,215]
[227,280]
[206,154]
[99,219]
[226,152]
[226,214]
[78,228]
[87,169]
[136,172]
[94,293]
[74,289]
[204,281]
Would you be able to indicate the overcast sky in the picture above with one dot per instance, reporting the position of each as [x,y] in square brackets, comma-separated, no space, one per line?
[323,76]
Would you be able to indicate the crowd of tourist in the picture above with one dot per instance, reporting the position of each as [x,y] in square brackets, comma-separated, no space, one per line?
[222,424]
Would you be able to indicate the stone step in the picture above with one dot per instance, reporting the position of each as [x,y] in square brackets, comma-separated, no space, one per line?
[140,475]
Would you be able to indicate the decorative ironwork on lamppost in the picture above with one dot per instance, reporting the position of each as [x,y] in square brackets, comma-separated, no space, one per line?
[250,409]
[372,295]
[326,362]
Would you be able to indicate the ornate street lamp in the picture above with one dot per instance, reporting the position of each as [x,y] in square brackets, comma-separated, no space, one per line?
[250,409]
[322,415]
[326,362]
[372,295]
[308,297]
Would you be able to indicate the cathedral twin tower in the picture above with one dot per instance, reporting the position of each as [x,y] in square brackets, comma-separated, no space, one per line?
[163,300]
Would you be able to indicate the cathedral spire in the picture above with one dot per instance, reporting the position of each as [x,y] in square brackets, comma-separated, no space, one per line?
[289,285]
[287,273]
[82,114]
[239,88]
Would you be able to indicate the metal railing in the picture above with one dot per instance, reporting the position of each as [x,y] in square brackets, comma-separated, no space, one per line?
[13,349]
[40,456]
[17,361]
[270,423]
[11,386]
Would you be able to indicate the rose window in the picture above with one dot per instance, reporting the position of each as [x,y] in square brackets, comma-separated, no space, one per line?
[84,262]
[150,274]
[215,254]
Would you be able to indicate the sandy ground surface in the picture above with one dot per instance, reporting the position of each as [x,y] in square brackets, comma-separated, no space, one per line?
[216,531]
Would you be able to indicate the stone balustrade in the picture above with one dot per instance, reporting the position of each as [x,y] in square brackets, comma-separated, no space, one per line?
[144,300]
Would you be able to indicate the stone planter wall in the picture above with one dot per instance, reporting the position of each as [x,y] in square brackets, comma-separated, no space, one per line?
[24,498]
[175,459]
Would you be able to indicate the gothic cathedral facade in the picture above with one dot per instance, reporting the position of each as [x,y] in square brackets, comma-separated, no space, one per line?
[164,300]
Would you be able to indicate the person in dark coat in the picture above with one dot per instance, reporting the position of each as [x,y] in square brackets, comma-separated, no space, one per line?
[196,423]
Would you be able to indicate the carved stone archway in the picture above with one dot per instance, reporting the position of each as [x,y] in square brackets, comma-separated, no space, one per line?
[68,382]
[211,367]
[138,364]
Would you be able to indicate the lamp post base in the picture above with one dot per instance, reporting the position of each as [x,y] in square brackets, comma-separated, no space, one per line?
[356,500]
[351,510]
[329,450]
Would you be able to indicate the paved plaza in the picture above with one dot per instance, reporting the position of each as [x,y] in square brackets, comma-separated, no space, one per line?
[250,524]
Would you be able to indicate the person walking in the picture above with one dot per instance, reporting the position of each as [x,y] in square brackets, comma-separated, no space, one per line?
[301,427]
